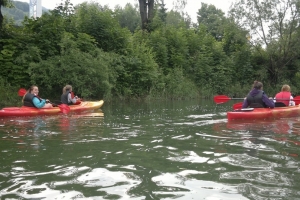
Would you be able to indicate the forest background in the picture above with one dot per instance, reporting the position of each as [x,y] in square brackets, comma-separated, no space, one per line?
[144,51]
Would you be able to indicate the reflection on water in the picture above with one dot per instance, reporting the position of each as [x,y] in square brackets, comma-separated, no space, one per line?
[168,150]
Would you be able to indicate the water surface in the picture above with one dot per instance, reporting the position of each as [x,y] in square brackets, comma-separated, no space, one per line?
[162,150]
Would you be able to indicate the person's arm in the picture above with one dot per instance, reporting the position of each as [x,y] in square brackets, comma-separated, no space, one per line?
[245,103]
[70,99]
[37,103]
[269,102]
[292,103]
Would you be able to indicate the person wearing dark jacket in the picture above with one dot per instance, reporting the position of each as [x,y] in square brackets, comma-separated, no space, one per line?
[31,99]
[257,98]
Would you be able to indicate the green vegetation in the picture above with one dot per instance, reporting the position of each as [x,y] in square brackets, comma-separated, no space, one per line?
[106,54]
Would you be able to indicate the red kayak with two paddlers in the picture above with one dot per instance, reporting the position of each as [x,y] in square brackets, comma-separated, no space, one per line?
[31,111]
[240,113]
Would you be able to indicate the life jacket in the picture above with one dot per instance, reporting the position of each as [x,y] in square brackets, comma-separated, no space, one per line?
[283,97]
[256,101]
[64,98]
[28,100]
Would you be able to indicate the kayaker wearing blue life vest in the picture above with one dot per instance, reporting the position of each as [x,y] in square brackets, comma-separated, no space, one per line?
[257,98]
[31,99]
[285,96]
[66,97]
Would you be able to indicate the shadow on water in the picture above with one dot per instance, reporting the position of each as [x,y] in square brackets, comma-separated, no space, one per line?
[162,150]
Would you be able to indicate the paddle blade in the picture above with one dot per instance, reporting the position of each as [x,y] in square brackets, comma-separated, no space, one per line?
[237,106]
[64,108]
[22,92]
[221,99]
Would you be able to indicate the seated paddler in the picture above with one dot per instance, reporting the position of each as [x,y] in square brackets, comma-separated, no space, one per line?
[285,96]
[67,96]
[257,98]
[31,99]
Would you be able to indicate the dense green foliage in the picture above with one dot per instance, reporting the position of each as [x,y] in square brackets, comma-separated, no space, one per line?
[104,53]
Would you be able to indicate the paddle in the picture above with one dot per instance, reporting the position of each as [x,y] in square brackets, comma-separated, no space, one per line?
[64,108]
[223,99]
[22,92]
[237,106]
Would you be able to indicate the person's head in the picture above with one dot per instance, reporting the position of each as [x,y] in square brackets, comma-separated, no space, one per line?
[67,88]
[286,88]
[257,85]
[33,90]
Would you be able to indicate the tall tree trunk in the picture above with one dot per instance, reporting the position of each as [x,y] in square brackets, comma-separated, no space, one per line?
[144,13]
[150,10]
[147,11]
[1,16]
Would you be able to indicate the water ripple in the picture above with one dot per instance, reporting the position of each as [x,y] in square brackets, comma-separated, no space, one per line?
[189,157]
[246,161]
[261,192]
[251,145]
[261,176]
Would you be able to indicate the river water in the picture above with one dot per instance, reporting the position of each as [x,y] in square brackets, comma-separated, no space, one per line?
[163,150]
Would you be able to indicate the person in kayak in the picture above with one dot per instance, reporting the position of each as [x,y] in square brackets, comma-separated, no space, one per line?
[285,96]
[257,98]
[31,99]
[68,96]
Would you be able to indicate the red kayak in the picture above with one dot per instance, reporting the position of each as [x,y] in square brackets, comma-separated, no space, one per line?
[264,113]
[30,111]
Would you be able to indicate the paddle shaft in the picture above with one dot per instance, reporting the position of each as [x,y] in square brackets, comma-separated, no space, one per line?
[223,99]
[240,104]
[230,99]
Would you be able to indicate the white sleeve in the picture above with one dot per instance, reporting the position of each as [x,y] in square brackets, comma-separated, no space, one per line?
[70,99]
[292,103]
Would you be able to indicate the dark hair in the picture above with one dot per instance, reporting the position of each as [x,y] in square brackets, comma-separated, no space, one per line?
[257,85]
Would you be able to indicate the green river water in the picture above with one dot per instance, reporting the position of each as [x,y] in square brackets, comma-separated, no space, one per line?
[162,150]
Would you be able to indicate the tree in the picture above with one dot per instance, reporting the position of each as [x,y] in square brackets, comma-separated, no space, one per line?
[128,16]
[273,26]
[4,3]
[213,19]
[65,9]
[81,63]
[102,26]
[174,18]
[147,10]
[162,11]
